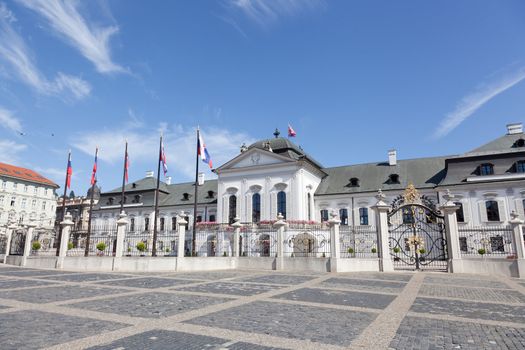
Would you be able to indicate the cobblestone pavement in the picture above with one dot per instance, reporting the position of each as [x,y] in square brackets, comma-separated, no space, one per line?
[259,310]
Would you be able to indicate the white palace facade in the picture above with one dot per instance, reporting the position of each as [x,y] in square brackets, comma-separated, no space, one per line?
[276,176]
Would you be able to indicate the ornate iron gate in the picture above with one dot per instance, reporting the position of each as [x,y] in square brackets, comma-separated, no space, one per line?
[417,233]
[18,241]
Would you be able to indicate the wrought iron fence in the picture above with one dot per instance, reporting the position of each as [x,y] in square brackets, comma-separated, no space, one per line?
[358,241]
[490,241]
[213,240]
[307,241]
[42,243]
[258,241]
[3,243]
[140,243]
[102,241]
[18,240]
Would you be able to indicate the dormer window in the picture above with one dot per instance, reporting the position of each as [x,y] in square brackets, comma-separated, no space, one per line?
[393,178]
[111,200]
[486,169]
[185,196]
[134,185]
[519,143]
[354,182]
[210,194]
[137,198]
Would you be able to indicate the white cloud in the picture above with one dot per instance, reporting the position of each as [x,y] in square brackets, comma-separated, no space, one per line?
[9,121]
[10,151]
[474,101]
[90,40]
[179,143]
[6,14]
[263,11]
[14,51]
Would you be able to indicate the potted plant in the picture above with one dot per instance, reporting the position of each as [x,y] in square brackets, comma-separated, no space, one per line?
[374,250]
[129,251]
[167,250]
[224,254]
[70,245]
[482,251]
[397,250]
[350,250]
[101,246]
[36,246]
[141,247]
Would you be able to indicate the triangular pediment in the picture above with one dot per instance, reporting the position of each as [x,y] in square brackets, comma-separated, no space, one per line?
[255,157]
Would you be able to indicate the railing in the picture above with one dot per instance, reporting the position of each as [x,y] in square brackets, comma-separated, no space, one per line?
[489,241]
[305,240]
[42,243]
[102,241]
[3,243]
[140,243]
[213,240]
[258,241]
[358,241]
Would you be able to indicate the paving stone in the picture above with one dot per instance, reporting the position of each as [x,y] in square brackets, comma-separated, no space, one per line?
[231,288]
[211,275]
[277,279]
[478,294]
[86,277]
[35,329]
[372,285]
[40,295]
[13,283]
[467,282]
[149,282]
[428,334]
[336,297]
[385,276]
[149,305]
[32,273]
[162,339]
[317,324]
[474,310]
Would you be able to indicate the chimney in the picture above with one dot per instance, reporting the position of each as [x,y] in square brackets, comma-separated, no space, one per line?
[514,128]
[201,179]
[168,180]
[392,157]
[149,173]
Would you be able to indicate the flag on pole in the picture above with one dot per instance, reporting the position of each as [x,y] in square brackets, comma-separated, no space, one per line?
[94,173]
[126,164]
[69,172]
[291,131]
[163,157]
[202,151]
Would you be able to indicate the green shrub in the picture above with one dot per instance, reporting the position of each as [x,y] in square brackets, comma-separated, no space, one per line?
[224,254]
[167,250]
[422,251]
[374,250]
[482,251]
[141,247]
[396,250]
[36,245]
[351,250]
[129,249]
[70,245]
[101,246]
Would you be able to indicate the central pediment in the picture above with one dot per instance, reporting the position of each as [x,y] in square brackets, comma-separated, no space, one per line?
[254,158]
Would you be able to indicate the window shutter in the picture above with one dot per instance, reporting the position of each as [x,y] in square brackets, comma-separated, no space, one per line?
[482,211]
[466,211]
[502,211]
[519,207]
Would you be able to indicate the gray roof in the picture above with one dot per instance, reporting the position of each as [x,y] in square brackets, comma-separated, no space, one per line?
[286,148]
[422,172]
[145,184]
[503,144]
[176,193]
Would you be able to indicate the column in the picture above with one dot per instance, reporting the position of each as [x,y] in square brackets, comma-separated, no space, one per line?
[335,244]
[122,222]
[236,234]
[279,225]
[181,222]
[519,249]
[29,238]
[381,210]
[67,224]
[9,232]
[451,231]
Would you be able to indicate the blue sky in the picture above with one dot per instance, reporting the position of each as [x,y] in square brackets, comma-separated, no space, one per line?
[354,78]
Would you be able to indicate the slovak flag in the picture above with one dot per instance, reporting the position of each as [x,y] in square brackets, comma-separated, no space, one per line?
[69,172]
[202,151]
[163,158]
[291,131]
[94,173]
[126,165]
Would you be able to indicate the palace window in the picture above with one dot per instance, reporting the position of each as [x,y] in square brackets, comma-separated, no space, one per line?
[162,224]
[146,224]
[281,203]
[408,218]
[35,190]
[210,194]
[363,216]
[25,188]
[13,201]
[173,222]
[185,196]
[1,200]
[343,215]
[4,184]
[256,207]
[324,215]
[519,143]
[460,217]
[232,208]
[24,201]
[132,225]
[14,185]
[486,169]
[212,218]
[44,205]
[309,206]
[199,218]
[520,166]
[492,210]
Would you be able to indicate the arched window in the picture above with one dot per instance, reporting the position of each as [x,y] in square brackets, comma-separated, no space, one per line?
[173,222]
[162,224]
[363,216]
[460,216]
[492,210]
[146,224]
[281,203]
[256,207]
[520,166]
[324,215]
[232,208]
[132,225]
[343,216]
[486,169]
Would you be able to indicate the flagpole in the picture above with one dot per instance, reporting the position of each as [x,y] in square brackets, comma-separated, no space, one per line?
[156,214]
[124,178]
[63,204]
[195,197]
[86,252]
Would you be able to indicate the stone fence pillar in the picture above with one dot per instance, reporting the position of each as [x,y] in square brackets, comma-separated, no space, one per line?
[9,232]
[335,244]
[236,236]
[122,223]
[519,248]
[181,226]
[279,225]
[449,210]
[66,225]
[28,243]
[381,209]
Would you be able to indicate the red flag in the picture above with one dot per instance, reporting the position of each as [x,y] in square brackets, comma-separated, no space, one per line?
[163,157]
[94,174]
[69,171]
[291,131]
